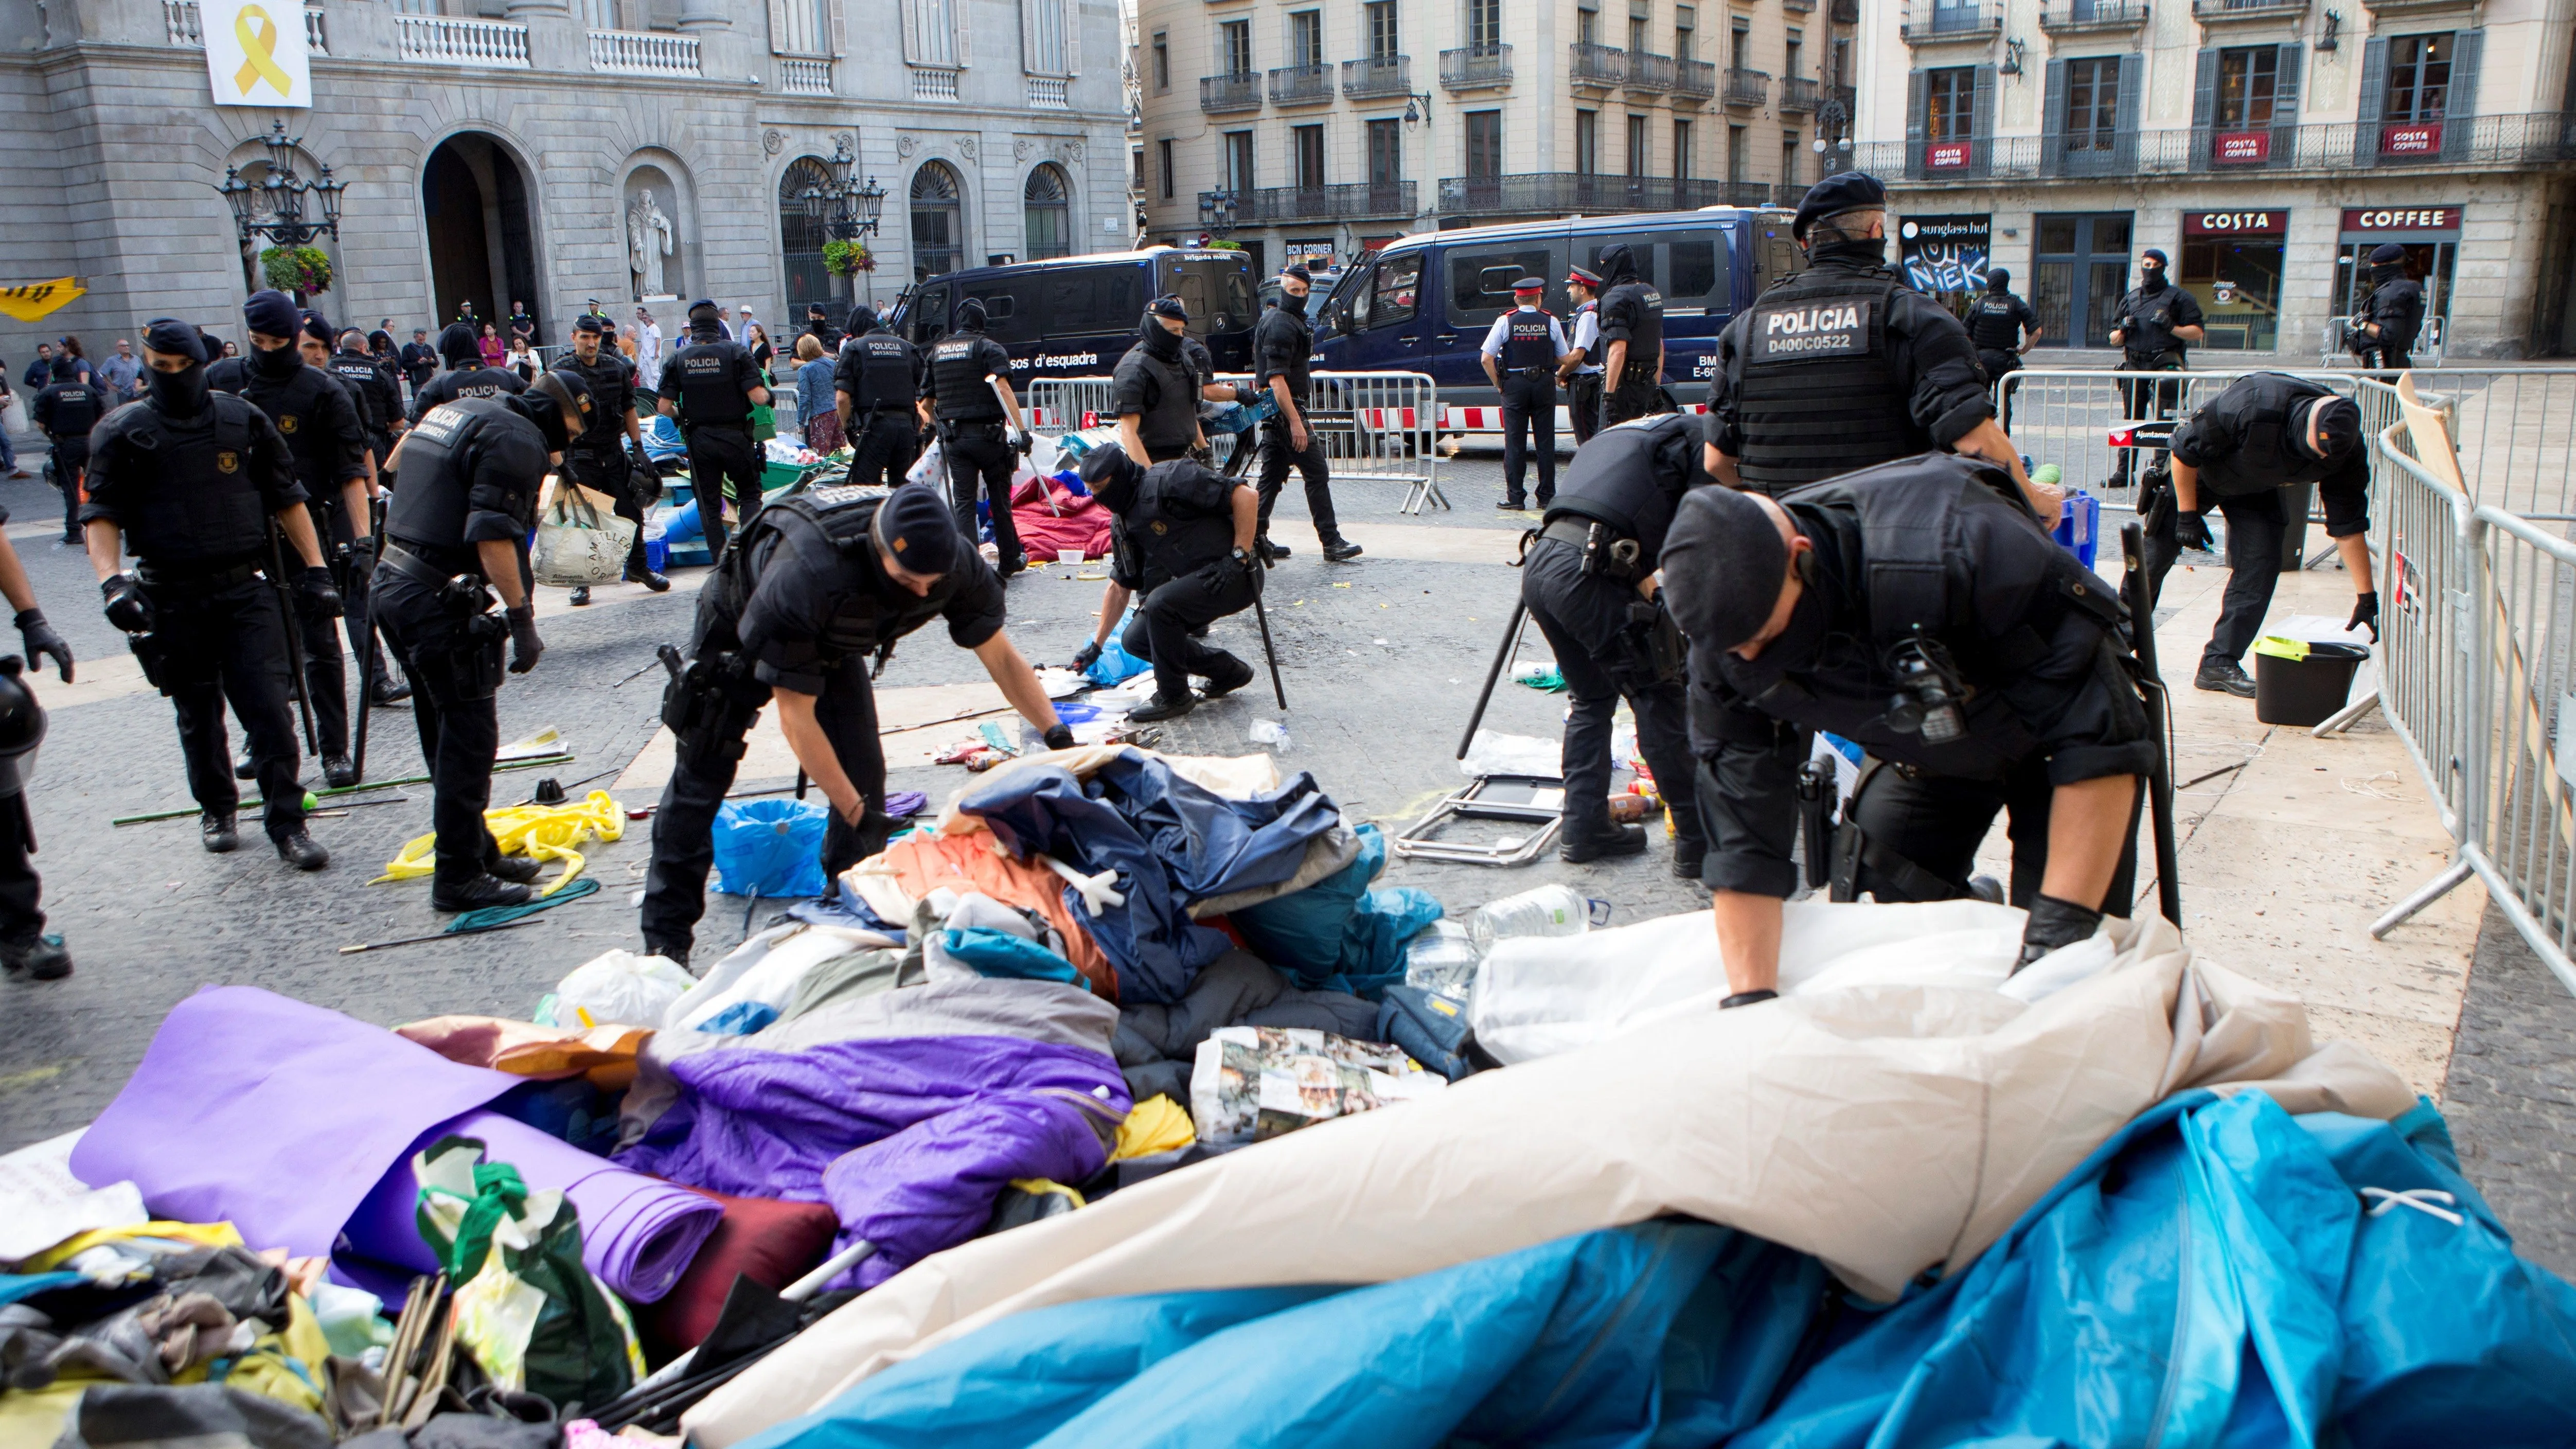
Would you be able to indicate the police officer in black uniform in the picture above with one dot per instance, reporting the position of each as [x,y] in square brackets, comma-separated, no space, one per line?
[455,536]
[2390,320]
[2238,451]
[821,580]
[1632,334]
[711,386]
[1842,365]
[1589,581]
[327,436]
[1520,356]
[2004,327]
[365,376]
[819,322]
[466,376]
[191,479]
[1917,609]
[352,560]
[1155,390]
[1187,551]
[876,385]
[1283,350]
[597,456]
[977,415]
[25,945]
[66,411]
[2155,327]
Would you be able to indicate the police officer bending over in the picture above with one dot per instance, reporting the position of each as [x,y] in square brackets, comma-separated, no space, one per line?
[1842,365]
[1632,326]
[1155,390]
[1188,549]
[2003,326]
[454,537]
[466,376]
[2267,432]
[970,398]
[711,386]
[1917,609]
[1589,581]
[1527,342]
[2385,340]
[596,458]
[823,579]
[876,384]
[191,478]
[1283,351]
[66,411]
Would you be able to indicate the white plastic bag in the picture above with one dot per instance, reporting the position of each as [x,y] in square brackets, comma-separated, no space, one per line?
[622,988]
[577,544]
[931,467]
[1498,754]
[763,972]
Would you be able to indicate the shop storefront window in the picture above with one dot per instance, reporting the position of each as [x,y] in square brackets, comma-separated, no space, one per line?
[2082,270]
[2231,262]
[2431,236]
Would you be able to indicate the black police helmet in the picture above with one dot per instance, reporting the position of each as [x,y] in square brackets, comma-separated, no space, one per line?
[22,726]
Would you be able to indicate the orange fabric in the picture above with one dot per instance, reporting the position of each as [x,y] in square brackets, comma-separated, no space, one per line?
[922,863]
[604,1054]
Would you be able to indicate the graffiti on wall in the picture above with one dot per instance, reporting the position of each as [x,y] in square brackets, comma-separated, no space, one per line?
[1945,253]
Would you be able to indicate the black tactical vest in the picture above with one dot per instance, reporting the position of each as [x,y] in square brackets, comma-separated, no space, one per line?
[76,409]
[1818,395]
[366,384]
[1170,423]
[708,392]
[1298,343]
[294,404]
[439,462]
[1526,341]
[1643,306]
[612,395]
[1180,521]
[1994,323]
[884,372]
[964,395]
[1631,476]
[184,489]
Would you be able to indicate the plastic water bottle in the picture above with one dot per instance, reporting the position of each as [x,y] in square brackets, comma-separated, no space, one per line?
[1548,910]
[1441,959]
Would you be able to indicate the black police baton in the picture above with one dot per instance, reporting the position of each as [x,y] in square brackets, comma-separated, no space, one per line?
[367,647]
[2151,685]
[1502,656]
[294,639]
[1261,616]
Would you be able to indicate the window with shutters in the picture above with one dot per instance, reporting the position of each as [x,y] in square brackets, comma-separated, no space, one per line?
[1735,153]
[1685,32]
[1949,103]
[1484,25]
[1163,164]
[1306,38]
[1310,156]
[1587,25]
[1046,37]
[1385,152]
[1234,43]
[1162,62]
[1238,161]
[802,27]
[2419,78]
[1638,146]
[1046,209]
[938,229]
[1383,42]
[1484,143]
[930,32]
[1789,149]
[2092,103]
[2248,81]
[1587,142]
[1682,150]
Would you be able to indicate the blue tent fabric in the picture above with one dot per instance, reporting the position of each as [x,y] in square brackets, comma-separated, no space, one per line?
[1338,934]
[1171,843]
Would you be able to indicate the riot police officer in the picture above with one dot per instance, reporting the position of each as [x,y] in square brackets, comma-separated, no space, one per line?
[191,480]
[876,385]
[2155,327]
[466,376]
[1917,609]
[1632,328]
[596,457]
[1527,343]
[66,411]
[454,538]
[1283,349]
[1842,365]
[351,560]
[2003,326]
[364,374]
[1579,374]
[1155,391]
[711,385]
[819,581]
[970,402]
[1589,581]
[1188,552]
[327,437]
[2390,320]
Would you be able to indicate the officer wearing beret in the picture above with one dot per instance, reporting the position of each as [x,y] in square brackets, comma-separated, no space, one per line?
[2268,431]
[711,385]
[1187,550]
[597,457]
[815,584]
[1843,366]
[876,386]
[2385,340]
[1917,609]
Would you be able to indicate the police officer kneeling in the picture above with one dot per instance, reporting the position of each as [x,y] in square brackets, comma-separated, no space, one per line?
[819,580]
[471,470]
[1189,533]
[1917,609]
[1589,581]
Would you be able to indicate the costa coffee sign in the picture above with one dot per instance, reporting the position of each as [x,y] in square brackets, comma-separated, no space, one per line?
[2401,218]
[1945,155]
[2418,139]
[2241,148]
[2235,223]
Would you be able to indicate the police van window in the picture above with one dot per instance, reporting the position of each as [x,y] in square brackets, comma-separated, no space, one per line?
[930,316]
[1480,280]
[1011,311]
[1218,291]
[1393,293]
[1688,267]
[1095,299]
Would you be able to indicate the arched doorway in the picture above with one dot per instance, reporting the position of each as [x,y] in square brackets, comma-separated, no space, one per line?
[938,230]
[801,237]
[482,248]
[1047,213]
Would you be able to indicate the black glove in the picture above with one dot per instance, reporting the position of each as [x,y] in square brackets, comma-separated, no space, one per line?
[1089,655]
[2365,610]
[525,646]
[128,608]
[1248,561]
[1021,442]
[1059,737]
[2192,531]
[362,556]
[41,640]
[318,597]
[1244,395]
[2055,923]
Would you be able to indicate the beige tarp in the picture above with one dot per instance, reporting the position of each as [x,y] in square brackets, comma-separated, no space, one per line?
[1887,1128]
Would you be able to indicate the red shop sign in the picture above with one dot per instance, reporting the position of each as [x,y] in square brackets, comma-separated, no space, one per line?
[2241,148]
[2401,218]
[2415,139]
[2235,223]
[1945,155]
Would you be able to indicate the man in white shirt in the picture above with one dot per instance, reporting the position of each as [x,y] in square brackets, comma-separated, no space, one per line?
[1580,372]
[648,345]
[1521,354]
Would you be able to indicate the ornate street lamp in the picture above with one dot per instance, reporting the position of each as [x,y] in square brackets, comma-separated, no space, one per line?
[853,211]
[1216,212]
[281,197]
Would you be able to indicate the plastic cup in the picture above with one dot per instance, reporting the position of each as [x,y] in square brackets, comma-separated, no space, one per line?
[1068,555]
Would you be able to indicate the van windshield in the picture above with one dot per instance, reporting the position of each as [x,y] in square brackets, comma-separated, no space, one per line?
[1217,290]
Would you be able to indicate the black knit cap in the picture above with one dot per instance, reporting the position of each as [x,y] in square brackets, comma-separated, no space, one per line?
[457,347]
[180,339]
[2386,252]
[1723,562]
[270,313]
[914,528]
[1843,191]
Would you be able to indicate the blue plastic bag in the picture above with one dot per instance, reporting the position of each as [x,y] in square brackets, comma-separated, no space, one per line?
[770,847]
[1115,665]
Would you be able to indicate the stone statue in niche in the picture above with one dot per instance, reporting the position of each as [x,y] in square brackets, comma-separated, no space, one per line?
[648,241]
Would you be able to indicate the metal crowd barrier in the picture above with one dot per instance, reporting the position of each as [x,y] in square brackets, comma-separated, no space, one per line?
[1375,427]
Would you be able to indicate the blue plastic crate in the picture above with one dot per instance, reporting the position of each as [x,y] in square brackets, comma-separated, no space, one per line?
[2079,527]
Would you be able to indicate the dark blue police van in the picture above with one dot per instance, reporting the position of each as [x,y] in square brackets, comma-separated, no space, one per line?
[1076,316]
[1424,302]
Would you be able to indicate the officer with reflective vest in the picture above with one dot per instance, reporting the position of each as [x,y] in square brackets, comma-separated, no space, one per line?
[455,536]
[1283,351]
[2390,320]
[366,378]
[597,457]
[2154,327]
[876,386]
[1918,610]
[1632,329]
[190,479]
[466,376]
[65,412]
[1521,353]
[327,437]
[711,385]
[1155,390]
[1188,553]
[2003,326]
[1589,581]
[1842,365]
[1579,374]
[821,580]
[980,434]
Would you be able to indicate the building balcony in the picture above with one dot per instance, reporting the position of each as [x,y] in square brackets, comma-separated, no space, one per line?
[1694,82]
[1379,75]
[934,83]
[1798,94]
[1799,7]
[1844,12]
[1649,73]
[1048,93]
[1221,95]
[643,52]
[1747,88]
[450,40]
[2468,144]
[800,75]
[1788,194]
[2407,7]
[2087,17]
[1346,201]
[2246,12]
[1556,193]
[179,23]
[1595,67]
[1476,67]
[1302,85]
[1942,23]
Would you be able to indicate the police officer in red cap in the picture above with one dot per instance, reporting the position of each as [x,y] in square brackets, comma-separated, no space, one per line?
[1579,373]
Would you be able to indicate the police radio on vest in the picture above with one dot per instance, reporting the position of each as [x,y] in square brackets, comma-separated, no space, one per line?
[1828,317]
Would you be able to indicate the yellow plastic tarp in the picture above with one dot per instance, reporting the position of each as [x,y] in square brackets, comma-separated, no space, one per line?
[1158,1124]
[547,832]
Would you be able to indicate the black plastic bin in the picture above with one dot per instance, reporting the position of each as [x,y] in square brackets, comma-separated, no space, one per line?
[2304,692]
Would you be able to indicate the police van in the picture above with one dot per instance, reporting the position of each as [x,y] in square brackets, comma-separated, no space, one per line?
[1424,302]
[1076,316]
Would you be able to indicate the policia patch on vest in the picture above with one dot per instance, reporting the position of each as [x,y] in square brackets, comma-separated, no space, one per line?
[1836,328]
[227,461]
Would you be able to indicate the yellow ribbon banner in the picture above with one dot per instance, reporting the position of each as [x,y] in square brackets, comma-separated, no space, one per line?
[34,301]
[259,46]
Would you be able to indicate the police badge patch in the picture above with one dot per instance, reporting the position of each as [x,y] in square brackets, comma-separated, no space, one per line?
[227,461]
[286,424]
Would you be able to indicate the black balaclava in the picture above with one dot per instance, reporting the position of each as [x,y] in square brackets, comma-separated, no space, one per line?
[1868,251]
[1618,265]
[177,394]
[861,322]
[1998,281]
[970,315]
[2151,271]
[706,322]
[62,370]
[457,347]
[275,363]
[1161,342]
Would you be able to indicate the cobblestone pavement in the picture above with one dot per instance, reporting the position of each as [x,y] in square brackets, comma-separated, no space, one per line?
[2511,1094]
